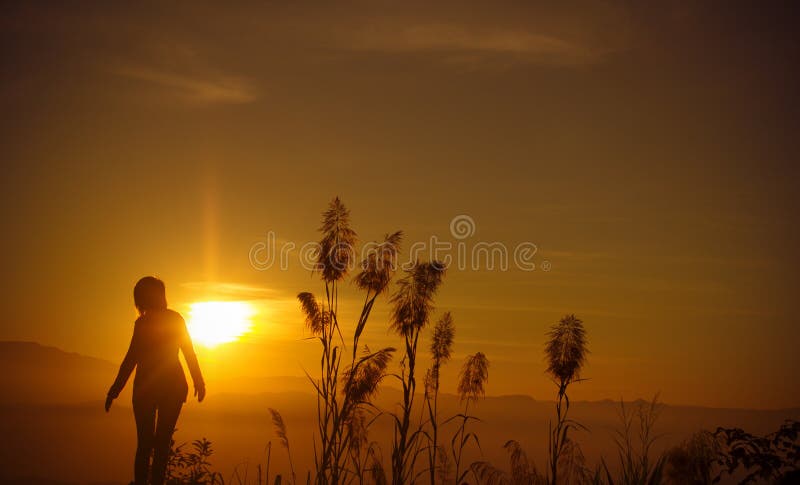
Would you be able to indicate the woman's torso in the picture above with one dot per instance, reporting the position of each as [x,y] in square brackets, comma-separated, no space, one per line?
[159,375]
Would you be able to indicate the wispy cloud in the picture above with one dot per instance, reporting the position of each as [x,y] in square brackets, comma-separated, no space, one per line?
[206,89]
[461,43]
[232,290]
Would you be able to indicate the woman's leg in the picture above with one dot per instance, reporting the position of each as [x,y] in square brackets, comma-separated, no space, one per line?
[167,418]
[145,414]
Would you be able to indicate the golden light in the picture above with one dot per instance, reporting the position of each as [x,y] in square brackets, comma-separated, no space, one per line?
[217,322]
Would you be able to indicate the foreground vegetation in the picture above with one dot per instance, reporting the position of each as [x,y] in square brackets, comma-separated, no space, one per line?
[350,374]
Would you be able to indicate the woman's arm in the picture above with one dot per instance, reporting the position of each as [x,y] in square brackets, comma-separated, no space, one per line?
[191,361]
[125,369]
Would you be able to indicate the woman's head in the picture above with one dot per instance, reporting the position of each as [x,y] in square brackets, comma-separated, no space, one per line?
[149,295]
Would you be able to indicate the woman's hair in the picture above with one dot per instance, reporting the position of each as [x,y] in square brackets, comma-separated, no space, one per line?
[149,294]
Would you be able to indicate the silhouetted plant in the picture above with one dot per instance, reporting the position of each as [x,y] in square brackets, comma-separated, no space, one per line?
[364,454]
[191,466]
[412,306]
[283,437]
[360,385]
[773,458]
[566,353]
[336,248]
[359,382]
[634,445]
[441,348]
[333,261]
[268,452]
[692,462]
[445,466]
[474,375]
[376,471]
[572,467]
[522,471]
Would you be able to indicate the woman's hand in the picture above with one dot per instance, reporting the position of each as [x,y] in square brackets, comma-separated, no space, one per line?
[200,392]
[109,400]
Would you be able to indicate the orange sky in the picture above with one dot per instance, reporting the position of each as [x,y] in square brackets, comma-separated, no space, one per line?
[649,153]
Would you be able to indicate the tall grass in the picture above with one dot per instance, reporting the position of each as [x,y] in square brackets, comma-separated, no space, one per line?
[345,413]
[565,352]
[412,307]
[522,470]
[441,349]
[472,380]
[280,431]
[342,392]
[634,440]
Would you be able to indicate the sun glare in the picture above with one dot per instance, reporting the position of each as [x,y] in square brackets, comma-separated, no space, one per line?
[217,322]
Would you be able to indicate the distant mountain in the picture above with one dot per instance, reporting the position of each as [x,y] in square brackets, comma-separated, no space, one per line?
[31,373]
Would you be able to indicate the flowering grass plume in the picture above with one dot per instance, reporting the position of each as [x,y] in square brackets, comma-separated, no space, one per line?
[413,300]
[379,265]
[361,381]
[316,317]
[474,375]
[566,349]
[336,248]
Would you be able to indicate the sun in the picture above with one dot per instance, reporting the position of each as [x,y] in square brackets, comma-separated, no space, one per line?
[217,322]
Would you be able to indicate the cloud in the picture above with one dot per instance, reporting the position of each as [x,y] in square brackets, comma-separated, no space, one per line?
[206,89]
[459,42]
[231,290]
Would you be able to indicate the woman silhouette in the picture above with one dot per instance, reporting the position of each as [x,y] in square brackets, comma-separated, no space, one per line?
[159,387]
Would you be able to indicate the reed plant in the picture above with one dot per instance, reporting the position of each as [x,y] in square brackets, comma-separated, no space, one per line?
[634,440]
[565,352]
[473,378]
[342,391]
[412,307]
[280,430]
[441,350]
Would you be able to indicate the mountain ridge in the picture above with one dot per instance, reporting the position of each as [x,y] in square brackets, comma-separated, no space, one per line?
[85,371]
